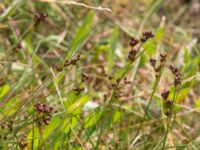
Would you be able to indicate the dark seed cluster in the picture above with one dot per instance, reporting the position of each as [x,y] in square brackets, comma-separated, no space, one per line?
[40,18]
[168,112]
[119,85]
[163,57]
[153,62]
[23,143]
[146,35]
[84,77]
[177,75]
[110,77]
[45,113]
[177,80]
[168,102]
[8,125]
[165,94]
[126,81]
[133,51]
[133,42]
[72,61]
[157,68]
[132,54]
[18,47]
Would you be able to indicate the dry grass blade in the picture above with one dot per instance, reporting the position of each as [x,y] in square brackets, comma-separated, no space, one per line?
[78,4]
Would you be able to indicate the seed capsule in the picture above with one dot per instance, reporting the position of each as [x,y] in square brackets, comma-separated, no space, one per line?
[169,103]
[165,94]
[133,42]
[153,61]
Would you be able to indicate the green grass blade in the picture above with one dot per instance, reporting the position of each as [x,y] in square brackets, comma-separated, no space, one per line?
[81,36]
[11,9]
[111,52]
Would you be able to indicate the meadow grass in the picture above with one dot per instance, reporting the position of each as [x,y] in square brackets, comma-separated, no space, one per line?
[99,74]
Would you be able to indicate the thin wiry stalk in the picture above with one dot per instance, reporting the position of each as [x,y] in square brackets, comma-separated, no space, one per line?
[148,105]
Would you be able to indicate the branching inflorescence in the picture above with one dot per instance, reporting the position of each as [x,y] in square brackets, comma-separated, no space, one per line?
[44,113]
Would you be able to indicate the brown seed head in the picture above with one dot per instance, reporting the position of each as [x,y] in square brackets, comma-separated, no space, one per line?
[84,77]
[168,112]
[43,16]
[163,57]
[173,69]
[132,54]
[146,35]
[134,42]
[169,103]
[177,79]
[158,68]
[153,62]
[40,18]
[165,94]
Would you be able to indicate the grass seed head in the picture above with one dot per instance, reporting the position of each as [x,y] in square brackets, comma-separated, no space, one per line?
[177,75]
[40,18]
[177,79]
[153,61]
[133,42]
[146,36]
[168,112]
[84,77]
[165,94]
[169,103]
[132,54]
[163,57]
